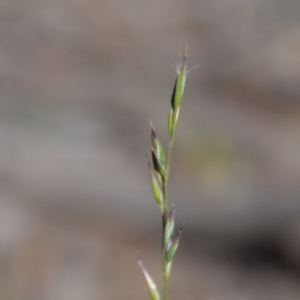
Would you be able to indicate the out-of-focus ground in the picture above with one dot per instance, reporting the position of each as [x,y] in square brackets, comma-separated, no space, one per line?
[79,82]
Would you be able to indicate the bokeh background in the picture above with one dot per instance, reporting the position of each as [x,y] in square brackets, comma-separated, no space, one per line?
[79,82]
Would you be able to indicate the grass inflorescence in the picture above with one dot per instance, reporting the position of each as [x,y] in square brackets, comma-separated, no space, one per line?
[159,176]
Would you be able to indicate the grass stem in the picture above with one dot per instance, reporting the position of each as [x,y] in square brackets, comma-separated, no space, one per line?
[165,216]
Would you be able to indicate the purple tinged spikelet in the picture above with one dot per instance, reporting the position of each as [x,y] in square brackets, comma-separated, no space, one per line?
[173,245]
[157,152]
[157,193]
[170,225]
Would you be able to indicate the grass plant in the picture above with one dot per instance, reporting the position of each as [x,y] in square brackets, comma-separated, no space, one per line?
[159,176]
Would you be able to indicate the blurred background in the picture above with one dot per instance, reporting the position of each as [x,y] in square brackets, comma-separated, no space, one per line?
[79,82]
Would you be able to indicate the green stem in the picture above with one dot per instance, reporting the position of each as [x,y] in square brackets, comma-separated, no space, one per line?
[166,183]
[165,279]
[165,215]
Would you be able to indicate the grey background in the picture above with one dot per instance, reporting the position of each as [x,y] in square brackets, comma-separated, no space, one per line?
[79,82]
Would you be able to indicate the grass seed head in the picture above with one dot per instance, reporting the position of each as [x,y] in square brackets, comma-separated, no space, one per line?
[179,85]
[170,225]
[151,286]
[173,245]
[156,189]
[157,148]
